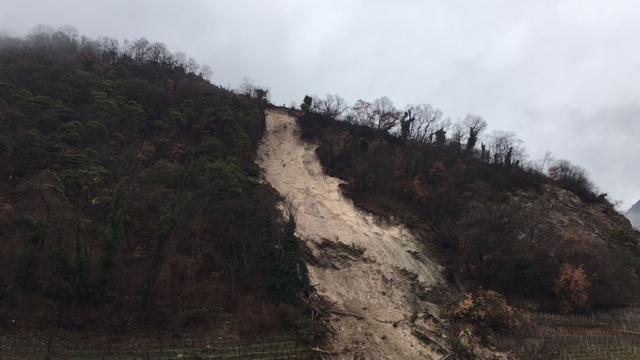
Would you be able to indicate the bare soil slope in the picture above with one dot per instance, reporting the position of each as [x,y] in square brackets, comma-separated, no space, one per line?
[373,273]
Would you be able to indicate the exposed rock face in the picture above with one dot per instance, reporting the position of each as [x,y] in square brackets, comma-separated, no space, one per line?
[634,215]
[374,274]
[563,211]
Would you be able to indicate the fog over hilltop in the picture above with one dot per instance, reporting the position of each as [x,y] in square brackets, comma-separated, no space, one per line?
[563,75]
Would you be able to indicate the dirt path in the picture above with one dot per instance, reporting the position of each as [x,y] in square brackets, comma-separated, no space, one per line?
[374,273]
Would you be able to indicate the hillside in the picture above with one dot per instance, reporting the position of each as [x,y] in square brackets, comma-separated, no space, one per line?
[498,224]
[129,199]
[634,215]
[367,273]
[145,209]
[512,239]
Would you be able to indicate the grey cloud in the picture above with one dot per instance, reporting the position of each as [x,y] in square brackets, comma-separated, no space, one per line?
[563,75]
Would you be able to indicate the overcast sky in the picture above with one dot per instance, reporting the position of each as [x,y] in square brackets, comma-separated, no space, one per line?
[563,75]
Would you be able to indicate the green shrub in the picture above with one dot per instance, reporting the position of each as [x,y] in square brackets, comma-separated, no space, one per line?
[460,349]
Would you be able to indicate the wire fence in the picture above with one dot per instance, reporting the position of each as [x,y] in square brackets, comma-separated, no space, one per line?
[605,335]
[265,348]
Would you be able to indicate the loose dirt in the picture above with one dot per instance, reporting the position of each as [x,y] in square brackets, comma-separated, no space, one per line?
[378,272]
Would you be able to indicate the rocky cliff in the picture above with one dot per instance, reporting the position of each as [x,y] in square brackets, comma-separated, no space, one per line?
[634,215]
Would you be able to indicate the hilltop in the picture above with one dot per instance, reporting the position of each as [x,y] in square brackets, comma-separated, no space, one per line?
[634,215]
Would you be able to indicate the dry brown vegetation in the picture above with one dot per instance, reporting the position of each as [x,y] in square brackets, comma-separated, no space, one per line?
[572,288]
[498,223]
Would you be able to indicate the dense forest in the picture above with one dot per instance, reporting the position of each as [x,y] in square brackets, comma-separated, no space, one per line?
[531,230]
[128,193]
[130,200]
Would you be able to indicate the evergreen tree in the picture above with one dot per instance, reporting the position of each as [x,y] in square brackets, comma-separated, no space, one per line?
[290,275]
[295,269]
[306,103]
[110,251]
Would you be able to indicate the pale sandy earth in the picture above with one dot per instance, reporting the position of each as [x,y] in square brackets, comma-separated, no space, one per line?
[379,287]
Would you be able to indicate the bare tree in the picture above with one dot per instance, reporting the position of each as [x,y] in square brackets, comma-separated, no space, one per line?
[417,122]
[475,125]
[427,120]
[89,51]
[70,31]
[158,53]
[192,66]
[137,50]
[362,114]
[541,165]
[333,106]
[41,30]
[385,114]
[180,59]
[205,72]
[506,148]
[248,88]
[457,133]
[110,50]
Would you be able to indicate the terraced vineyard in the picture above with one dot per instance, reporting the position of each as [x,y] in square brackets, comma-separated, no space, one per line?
[12,347]
[602,336]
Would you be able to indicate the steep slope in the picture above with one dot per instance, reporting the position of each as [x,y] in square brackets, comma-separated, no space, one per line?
[498,224]
[371,272]
[633,214]
[129,198]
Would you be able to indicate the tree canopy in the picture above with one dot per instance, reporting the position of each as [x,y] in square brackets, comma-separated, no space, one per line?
[128,183]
